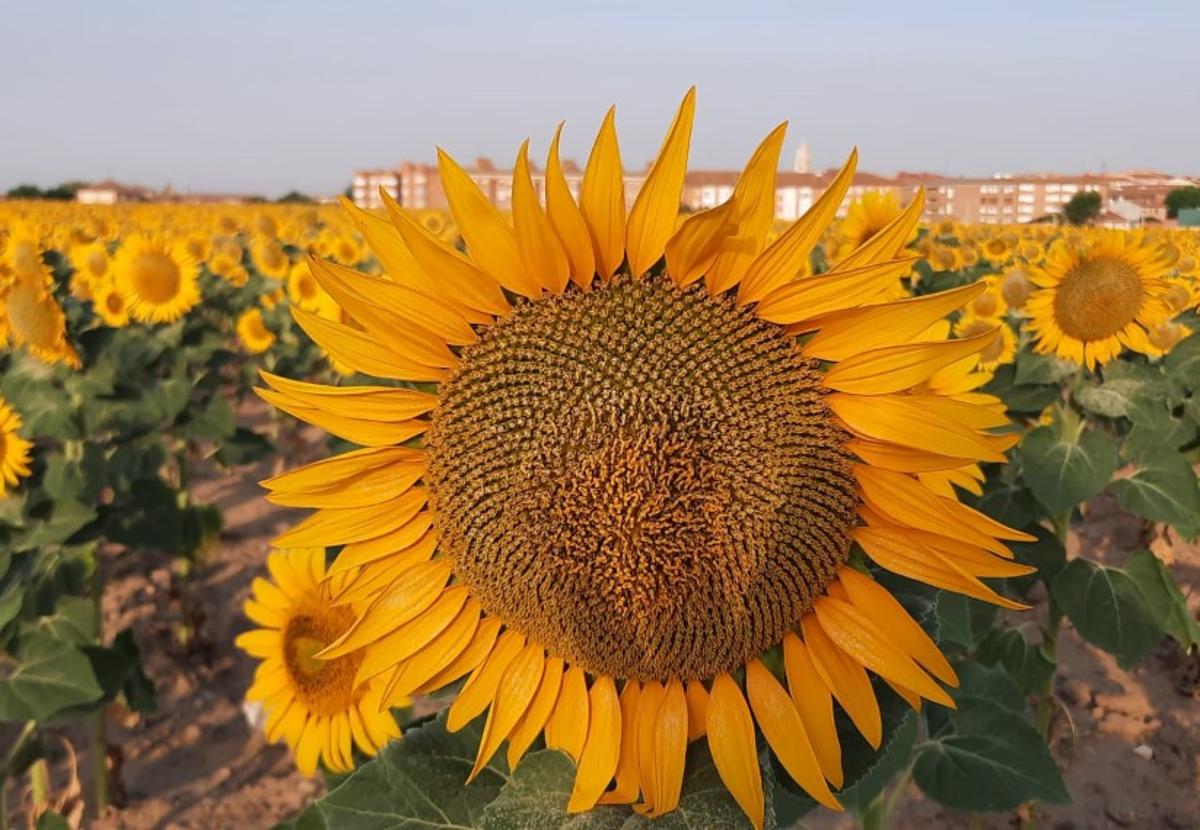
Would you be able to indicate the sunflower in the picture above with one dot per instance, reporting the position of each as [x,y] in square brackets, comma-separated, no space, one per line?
[650,452]
[1015,288]
[302,289]
[14,450]
[990,303]
[110,305]
[33,318]
[1002,348]
[996,249]
[315,705]
[271,260]
[864,218]
[156,277]
[1096,297]
[253,332]
[91,265]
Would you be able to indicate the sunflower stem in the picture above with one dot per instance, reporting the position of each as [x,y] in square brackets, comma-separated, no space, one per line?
[39,782]
[99,743]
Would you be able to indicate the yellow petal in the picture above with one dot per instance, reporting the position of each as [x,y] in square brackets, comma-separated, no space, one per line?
[700,239]
[670,748]
[405,599]
[362,431]
[490,241]
[355,479]
[567,728]
[784,730]
[412,532]
[361,352]
[308,751]
[814,704]
[433,657]
[627,775]
[475,653]
[652,217]
[901,459]
[380,403]
[890,240]
[541,253]
[567,219]
[789,255]
[877,604]
[515,693]
[846,679]
[598,761]
[480,688]
[447,274]
[862,641]
[407,638]
[649,700]
[895,368]
[535,717]
[845,333]
[731,740]
[369,581]
[697,700]
[343,525]
[754,195]
[899,419]
[602,198]
[805,299]
[400,334]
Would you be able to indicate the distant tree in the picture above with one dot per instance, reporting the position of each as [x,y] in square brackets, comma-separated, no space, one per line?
[1083,207]
[349,191]
[1182,197]
[65,192]
[295,196]
[25,191]
[256,200]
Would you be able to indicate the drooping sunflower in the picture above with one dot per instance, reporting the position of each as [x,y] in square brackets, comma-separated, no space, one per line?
[33,318]
[253,332]
[157,278]
[649,454]
[14,450]
[1098,296]
[315,705]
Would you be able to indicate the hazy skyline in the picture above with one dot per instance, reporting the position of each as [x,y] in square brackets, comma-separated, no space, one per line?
[269,96]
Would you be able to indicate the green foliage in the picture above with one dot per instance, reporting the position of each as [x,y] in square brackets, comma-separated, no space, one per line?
[1108,609]
[1181,197]
[1082,208]
[1064,468]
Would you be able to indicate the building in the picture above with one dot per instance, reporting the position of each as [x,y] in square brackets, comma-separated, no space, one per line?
[109,192]
[1004,198]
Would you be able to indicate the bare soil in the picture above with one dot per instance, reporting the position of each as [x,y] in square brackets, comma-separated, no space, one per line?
[1128,741]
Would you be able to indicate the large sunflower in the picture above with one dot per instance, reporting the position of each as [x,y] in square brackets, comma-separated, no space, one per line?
[14,450]
[1097,297]
[316,706]
[647,457]
[33,318]
[157,278]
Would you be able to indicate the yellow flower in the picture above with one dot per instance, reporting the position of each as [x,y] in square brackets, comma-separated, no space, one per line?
[644,478]
[14,450]
[33,318]
[1097,297]
[303,289]
[110,305]
[864,218]
[1001,349]
[319,707]
[253,332]
[271,260]
[156,277]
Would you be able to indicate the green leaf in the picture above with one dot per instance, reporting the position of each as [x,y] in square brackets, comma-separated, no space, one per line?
[1008,502]
[991,758]
[1063,473]
[418,782]
[118,669]
[1154,426]
[310,819]
[1107,609]
[1045,553]
[50,675]
[1163,598]
[963,621]
[1043,369]
[216,422]
[74,620]
[1029,665]
[1182,363]
[1163,489]
[991,682]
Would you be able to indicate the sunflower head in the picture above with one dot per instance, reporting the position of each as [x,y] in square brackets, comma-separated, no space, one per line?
[652,447]
[33,318]
[317,706]
[156,277]
[110,305]
[253,332]
[14,450]
[1097,297]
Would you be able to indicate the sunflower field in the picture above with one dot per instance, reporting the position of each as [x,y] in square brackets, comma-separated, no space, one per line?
[706,520]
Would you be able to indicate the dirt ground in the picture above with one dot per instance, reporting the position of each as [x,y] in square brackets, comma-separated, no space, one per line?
[1129,748]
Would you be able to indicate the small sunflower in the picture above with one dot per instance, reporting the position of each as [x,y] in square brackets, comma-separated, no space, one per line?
[270,259]
[91,265]
[651,450]
[864,218]
[317,706]
[253,332]
[110,305]
[14,450]
[1002,349]
[1015,288]
[990,303]
[303,290]
[1096,297]
[33,318]
[156,277]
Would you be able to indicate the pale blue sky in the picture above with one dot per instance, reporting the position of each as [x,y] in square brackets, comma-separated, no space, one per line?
[266,96]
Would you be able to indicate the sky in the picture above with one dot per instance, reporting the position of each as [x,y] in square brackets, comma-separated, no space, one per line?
[263,97]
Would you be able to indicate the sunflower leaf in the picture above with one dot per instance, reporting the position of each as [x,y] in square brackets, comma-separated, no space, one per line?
[1163,598]
[50,676]
[1107,608]
[1163,489]
[417,782]
[1063,473]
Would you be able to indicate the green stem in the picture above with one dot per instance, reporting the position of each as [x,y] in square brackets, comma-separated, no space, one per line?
[28,731]
[3,802]
[99,742]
